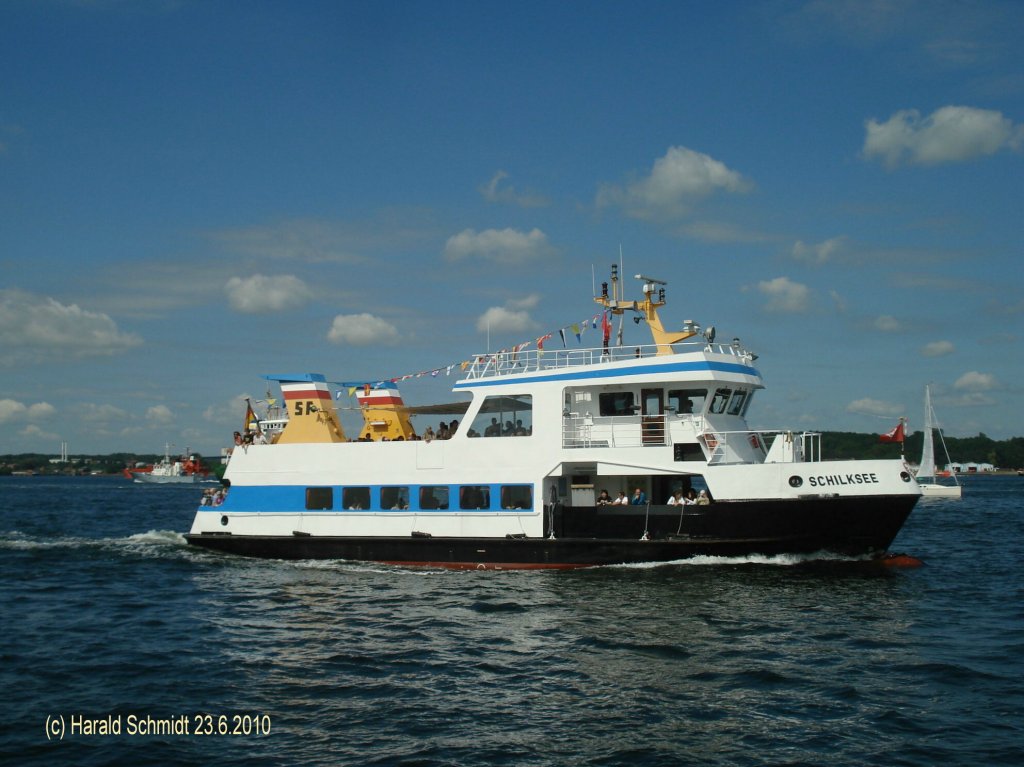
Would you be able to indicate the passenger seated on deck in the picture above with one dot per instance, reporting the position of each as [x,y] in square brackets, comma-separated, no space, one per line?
[639,499]
[494,430]
[691,497]
[621,500]
[604,499]
[428,435]
[703,499]
[676,499]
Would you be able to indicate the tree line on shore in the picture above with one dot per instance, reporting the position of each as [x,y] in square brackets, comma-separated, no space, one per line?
[84,464]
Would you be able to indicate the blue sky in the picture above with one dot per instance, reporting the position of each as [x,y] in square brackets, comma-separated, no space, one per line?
[194,194]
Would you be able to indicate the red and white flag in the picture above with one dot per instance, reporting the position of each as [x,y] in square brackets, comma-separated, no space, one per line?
[896,435]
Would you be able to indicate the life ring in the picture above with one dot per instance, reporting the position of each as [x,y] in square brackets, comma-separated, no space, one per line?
[710,440]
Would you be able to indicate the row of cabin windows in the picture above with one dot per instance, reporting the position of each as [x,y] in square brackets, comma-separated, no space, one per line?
[679,401]
[429,497]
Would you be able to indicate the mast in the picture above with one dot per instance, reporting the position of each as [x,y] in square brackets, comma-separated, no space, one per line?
[654,298]
[927,467]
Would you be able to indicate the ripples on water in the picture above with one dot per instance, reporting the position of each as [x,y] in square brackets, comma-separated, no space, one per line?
[106,611]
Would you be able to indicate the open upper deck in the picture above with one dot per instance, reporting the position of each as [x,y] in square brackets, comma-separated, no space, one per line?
[514,363]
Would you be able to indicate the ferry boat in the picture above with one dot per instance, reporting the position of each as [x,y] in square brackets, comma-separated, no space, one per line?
[546,437]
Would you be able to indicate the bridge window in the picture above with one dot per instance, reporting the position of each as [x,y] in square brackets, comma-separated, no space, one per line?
[318,498]
[687,400]
[720,399]
[617,403]
[737,402]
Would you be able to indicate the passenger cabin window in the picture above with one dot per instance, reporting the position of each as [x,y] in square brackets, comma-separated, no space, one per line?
[394,498]
[719,401]
[319,498]
[685,401]
[504,416]
[475,497]
[737,402]
[434,497]
[617,403]
[355,498]
[517,497]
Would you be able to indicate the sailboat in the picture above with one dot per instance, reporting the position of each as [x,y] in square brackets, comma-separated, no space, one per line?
[930,486]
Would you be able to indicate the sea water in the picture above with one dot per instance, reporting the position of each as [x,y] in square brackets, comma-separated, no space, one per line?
[120,644]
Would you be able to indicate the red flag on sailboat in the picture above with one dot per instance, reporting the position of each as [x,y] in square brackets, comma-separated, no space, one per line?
[896,435]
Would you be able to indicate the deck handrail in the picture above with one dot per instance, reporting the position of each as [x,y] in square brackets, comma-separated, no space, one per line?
[511,362]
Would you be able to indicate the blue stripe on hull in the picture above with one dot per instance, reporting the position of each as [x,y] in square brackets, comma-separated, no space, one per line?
[291,499]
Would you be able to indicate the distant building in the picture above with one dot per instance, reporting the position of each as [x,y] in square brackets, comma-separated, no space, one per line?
[971,468]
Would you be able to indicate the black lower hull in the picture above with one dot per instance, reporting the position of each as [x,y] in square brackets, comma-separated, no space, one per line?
[584,537]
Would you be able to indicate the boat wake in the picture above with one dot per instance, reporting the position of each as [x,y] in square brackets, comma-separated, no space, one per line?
[153,542]
[776,560]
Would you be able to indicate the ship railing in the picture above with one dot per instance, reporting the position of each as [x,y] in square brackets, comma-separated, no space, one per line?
[760,445]
[585,430]
[512,362]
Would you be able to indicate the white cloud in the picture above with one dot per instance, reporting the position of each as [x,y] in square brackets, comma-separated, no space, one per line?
[232,410]
[513,317]
[261,294]
[495,191]
[975,381]
[13,412]
[819,253]
[101,414]
[785,296]
[40,411]
[34,432]
[677,180]
[949,134]
[307,240]
[875,407]
[937,349]
[362,330]
[838,301]
[159,414]
[886,323]
[34,328]
[500,246]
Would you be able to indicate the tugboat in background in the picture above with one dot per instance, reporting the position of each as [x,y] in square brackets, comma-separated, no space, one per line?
[185,469]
